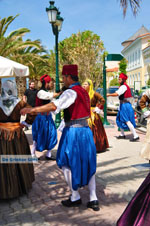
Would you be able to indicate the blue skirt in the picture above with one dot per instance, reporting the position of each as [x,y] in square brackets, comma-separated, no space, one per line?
[125,114]
[44,132]
[77,151]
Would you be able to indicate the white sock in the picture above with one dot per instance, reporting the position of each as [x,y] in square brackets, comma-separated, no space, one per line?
[122,131]
[48,154]
[92,188]
[33,149]
[132,129]
[68,177]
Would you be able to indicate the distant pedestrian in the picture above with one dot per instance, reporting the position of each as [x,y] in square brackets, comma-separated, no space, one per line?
[95,122]
[125,117]
[30,94]
[30,98]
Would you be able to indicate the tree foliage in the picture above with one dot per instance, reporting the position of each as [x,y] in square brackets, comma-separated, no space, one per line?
[135,5]
[114,82]
[12,46]
[123,66]
[84,49]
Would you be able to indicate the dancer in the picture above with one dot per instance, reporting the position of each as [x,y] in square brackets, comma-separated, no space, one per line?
[145,106]
[76,153]
[137,213]
[95,122]
[43,128]
[15,178]
[125,117]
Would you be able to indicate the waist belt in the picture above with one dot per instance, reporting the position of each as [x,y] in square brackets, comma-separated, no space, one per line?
[77,123]
[10,125]
[124,101]
[9,129]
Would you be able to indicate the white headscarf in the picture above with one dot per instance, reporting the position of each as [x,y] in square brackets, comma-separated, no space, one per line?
[8,99]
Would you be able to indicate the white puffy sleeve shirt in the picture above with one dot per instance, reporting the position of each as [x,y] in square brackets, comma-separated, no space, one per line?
[66,99]
[122,89]
[44,95]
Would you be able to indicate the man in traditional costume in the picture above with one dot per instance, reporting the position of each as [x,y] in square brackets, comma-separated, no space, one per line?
[43,128]
[76,153]
[125,117]
[15,178]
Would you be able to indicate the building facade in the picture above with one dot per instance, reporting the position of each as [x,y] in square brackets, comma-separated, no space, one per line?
[137,52]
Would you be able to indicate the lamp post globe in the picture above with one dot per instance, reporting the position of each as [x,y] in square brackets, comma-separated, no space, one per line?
[56,21]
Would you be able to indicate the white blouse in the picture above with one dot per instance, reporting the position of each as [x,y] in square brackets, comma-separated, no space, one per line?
[44,95]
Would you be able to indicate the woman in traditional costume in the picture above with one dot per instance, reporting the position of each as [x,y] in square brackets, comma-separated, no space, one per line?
[15,178]
[145,106]
[137,213]
[95,122]
[43,129]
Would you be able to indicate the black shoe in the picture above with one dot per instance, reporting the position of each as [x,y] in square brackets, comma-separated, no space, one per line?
[93,205]
[134,139]
[121,137]
[26,128]
[50,158]
[69,203]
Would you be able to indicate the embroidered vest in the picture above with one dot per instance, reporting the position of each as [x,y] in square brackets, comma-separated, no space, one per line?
[80,108]
[127,93]
[40,102]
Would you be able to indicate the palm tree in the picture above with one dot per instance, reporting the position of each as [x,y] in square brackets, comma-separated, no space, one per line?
[135,5]
[30,53]
[12,42]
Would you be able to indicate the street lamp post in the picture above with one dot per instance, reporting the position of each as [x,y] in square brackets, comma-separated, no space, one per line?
[110,57]
[104,92]
[56,21]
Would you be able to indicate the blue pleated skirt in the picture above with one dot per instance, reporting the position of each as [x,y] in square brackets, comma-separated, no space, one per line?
[44,132]
[77,151]
[125,114]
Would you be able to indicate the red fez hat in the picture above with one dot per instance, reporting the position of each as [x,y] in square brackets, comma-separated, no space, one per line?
[45,78]
[123,76]
[71,69]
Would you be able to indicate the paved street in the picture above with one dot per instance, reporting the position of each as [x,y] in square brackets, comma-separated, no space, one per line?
[120,171]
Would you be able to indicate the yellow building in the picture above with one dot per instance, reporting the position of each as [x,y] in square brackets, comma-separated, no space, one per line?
[136,51]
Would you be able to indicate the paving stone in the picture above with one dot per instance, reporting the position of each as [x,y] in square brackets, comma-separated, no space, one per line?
[116,181]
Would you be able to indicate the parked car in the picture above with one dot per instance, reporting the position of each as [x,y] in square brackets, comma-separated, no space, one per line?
[100,91]
[140,120]
[112,102]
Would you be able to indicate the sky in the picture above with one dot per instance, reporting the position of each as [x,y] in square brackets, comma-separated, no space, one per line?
[102,17]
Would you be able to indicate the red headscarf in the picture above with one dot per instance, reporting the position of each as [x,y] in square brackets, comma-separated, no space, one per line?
[45,78]
[71,69]
[123,76]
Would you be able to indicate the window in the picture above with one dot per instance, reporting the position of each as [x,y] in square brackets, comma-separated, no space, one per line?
[139,77]
[139,56]
[135,57]
[133,60]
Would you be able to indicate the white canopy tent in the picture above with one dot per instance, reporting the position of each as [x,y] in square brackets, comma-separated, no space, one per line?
[9,68]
